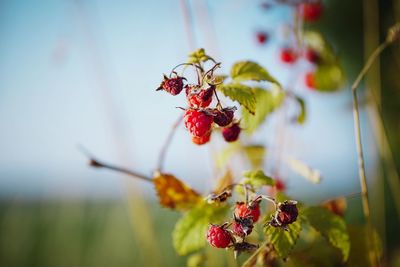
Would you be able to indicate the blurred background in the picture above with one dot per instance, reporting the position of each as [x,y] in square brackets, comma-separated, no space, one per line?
[85,72]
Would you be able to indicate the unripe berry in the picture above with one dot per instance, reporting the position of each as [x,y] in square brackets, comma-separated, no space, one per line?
[172,85]
[248,211]
[198,123]
[231,134]
[310,12]
[288,55]
[218,236]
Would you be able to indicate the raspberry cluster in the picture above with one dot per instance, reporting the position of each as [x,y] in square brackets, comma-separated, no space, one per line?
[199,117]
[233,234]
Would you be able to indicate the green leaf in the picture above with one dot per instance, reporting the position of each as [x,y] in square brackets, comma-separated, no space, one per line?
[240,93]
[198,56]
[331,226]
[301,117]
[255,154]
[329,77]
[301,168]
[257,179]
[267,102]
[359,250]
[248,70]
[190,231]
[283,240]
[196,260]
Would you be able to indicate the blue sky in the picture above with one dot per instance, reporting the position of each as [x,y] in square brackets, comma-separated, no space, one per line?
[84,72]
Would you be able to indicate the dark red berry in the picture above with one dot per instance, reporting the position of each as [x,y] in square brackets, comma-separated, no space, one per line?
[248,211]
[309,80]
[287,212]
[172,85]
[312,56]
[310,12]
[288,55]
[261,37]
[243,226]
[198,123]
[231,134]
[201,140]
[223,117]
[218,236]
[280,185]
[199,98]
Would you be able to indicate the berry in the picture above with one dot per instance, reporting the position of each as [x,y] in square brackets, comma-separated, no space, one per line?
[199,98]
[198,123]
[312,56]
[201,140]
[248,211]
[287,212]
[243,226]
[309,80]
[288,56]
[280,185]
[218,236]
[231,133]
[261,37]
[310,11]
[223,117]
[172,85]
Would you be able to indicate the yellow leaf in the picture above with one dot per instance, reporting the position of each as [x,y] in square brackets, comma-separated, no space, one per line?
[224,182]
[173,193]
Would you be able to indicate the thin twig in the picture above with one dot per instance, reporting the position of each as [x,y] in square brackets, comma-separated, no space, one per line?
[167,142]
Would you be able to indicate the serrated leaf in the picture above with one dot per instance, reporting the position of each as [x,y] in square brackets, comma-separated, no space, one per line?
[250,71]
[173,193]
[243,94]
[301,168]
[189,234]
[329,77]
[267,102]
[283,240]
[301,117]
[257,179]
[255,154]
[331,226]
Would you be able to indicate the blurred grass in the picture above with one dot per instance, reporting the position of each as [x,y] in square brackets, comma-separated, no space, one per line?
[79,233]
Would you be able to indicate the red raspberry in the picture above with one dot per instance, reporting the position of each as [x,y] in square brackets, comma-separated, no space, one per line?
[261,37]
[218,236]
[223,117]
[312,56]
[231,134]
[288,56]
[309,79]
[280,185]
[199,98]
[172,85]
[201,140]
[245,211]
[198,123]
[310,11]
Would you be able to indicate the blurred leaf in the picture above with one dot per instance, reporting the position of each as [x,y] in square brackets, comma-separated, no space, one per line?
[299,167]
[218,79]
[331,226]
[319,44]
[267,102]
[337,206]
[248,70]
[196,260]
[223,182]
[301,117]
[190,231]
[257,179]
[173,193]
[243,94]
[329,77]
[255,154]
[359,251]
[283,240]
[223,157]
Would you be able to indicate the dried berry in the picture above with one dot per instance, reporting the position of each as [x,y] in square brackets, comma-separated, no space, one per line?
[287,212]
[223,117]
[172,85]
[199,98]
[231,133]
[218,236]
[242,226]
[198,123]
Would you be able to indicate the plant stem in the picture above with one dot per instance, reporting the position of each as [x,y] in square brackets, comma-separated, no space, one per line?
[167,142]
[360,153]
